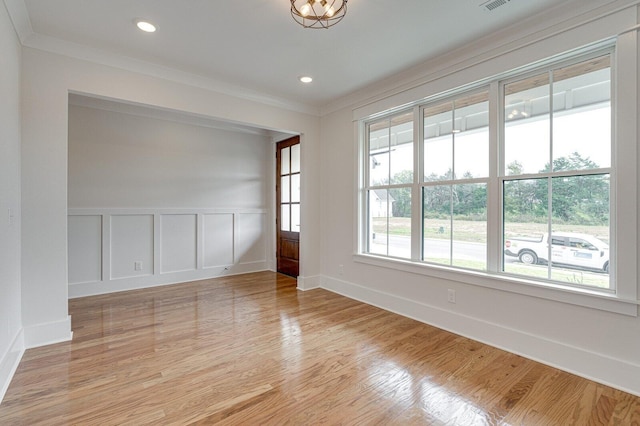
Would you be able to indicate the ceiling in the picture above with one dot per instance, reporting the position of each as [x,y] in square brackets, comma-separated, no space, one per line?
[257,46]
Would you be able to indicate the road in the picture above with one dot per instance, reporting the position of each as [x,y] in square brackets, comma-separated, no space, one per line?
[400,246]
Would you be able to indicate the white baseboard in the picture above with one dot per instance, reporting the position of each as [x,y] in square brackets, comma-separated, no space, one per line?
[600,368]
[309,283]
[9,363]
[147,281]
[48,333]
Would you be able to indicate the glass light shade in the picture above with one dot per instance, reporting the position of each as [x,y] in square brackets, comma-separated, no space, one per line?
[318,13]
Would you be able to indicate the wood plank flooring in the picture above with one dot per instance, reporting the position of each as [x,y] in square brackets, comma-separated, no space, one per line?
[252,350]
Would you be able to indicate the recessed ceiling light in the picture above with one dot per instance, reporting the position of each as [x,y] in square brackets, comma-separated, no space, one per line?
[145,26]
[306,79]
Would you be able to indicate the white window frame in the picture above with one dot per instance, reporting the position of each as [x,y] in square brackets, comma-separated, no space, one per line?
[502,177]
[623,227]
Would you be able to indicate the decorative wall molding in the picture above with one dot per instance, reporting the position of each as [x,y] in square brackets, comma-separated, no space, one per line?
[124,249]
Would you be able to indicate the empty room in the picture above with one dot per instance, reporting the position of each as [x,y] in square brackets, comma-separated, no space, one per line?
[319,212]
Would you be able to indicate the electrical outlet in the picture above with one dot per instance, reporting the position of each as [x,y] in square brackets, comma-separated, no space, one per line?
[137,265]
[451,296]
[340,269]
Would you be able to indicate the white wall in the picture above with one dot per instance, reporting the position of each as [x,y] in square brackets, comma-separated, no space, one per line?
[156,201]
[601,345]
[47,81]
[11,345]
[120,160]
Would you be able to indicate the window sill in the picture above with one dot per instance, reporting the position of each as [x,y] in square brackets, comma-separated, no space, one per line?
[558,293]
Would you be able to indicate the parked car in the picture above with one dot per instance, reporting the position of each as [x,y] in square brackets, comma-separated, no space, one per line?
[567,248]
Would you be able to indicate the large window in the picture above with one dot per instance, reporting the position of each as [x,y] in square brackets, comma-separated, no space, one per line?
[456,171]
[388,190]
[557,158]
[510,178]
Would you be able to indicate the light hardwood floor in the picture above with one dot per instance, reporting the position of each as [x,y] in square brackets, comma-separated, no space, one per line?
[252,350]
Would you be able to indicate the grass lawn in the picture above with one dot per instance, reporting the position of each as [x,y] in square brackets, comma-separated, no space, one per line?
[476,231]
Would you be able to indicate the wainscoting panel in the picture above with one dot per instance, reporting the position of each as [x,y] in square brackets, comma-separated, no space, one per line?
[218,240]
[85,249]
[178,242]
[123,249]
[252,231]
[131,245]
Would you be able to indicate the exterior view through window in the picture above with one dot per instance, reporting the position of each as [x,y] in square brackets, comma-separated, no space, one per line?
[557,148]
[552,142]
[390,180]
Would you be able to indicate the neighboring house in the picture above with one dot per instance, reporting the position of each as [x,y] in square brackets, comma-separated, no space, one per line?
[381,202]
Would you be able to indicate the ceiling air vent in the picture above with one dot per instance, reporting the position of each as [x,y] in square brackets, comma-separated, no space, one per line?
[492,5]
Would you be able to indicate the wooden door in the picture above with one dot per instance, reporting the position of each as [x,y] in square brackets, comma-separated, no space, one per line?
[288,206]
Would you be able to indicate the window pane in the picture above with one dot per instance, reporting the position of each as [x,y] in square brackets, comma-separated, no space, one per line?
[580,223]
[401,149]
[471,136]
[391,150]
[400,222]
[582,115]
[580,217]
[285,160]
[295,158]
[285,218]
[526,221]
[295,217]
[295,188]
[469,226]
[378,221]
[437,224]
[438,142]
[285,196]
[379,153]
[527,125]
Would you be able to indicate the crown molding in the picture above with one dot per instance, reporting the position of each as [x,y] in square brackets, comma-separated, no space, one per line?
[19,18]
[181,117]
[90,54]
[533,29]
[28,38]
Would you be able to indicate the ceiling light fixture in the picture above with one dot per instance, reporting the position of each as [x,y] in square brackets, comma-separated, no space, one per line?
[145,26]
[318,13]
[306,79]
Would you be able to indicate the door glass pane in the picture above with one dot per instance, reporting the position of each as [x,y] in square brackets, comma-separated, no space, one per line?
[438,142]
[295,158]
[285,218]
[285,196]
[582,115]
[285,161]
[295,188]
[527,125]
[295,217]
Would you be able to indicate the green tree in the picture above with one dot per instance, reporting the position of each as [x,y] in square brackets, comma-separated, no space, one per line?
[401,207]
[582,199]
